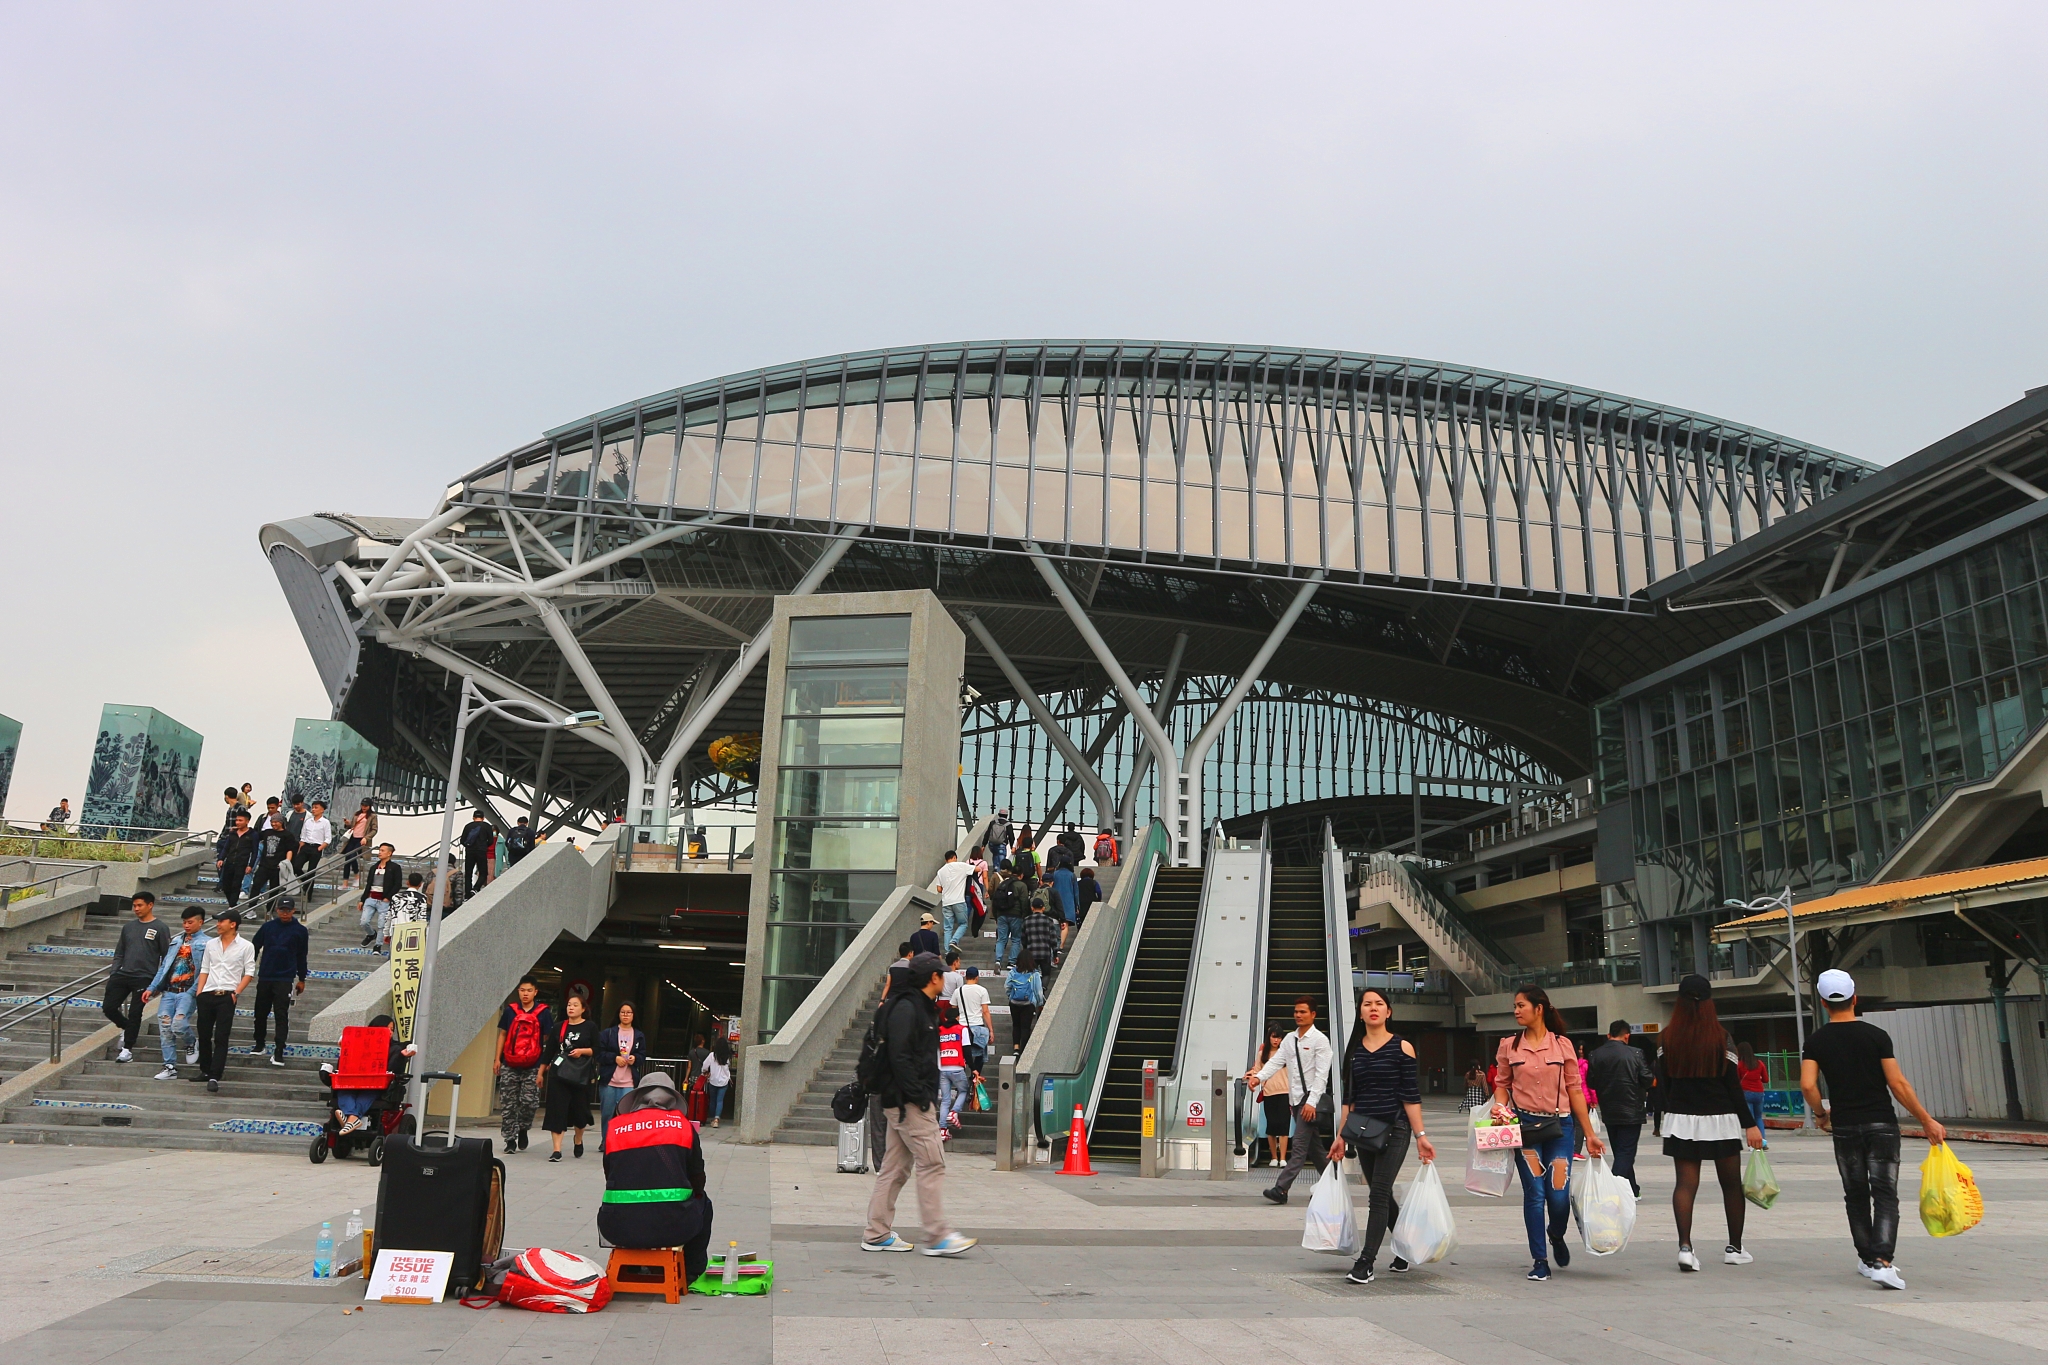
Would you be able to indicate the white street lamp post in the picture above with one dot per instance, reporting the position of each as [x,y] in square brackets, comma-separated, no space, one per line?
[470,703]
[1783,901]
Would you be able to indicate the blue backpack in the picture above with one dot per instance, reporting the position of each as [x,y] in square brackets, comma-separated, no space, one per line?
[1018,987]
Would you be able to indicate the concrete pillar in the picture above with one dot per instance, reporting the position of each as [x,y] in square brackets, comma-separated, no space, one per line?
[844,650]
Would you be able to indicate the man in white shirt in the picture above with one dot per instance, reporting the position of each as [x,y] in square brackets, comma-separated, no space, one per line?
[1306,1055]
[228,967]
[974,1012]
[314,835]
[951,886]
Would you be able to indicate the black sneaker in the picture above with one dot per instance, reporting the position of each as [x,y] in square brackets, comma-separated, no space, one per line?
[1360,1273]
[1560,1253]
[522,1139]
[1540,1271]
[1399,1265]
[213,1087]
[1276,1195]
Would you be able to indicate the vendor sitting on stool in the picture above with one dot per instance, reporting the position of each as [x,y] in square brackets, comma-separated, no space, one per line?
[654,1176]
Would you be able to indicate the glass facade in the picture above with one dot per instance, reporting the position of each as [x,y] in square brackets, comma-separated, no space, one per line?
[1371,468]
[839,761]
[10,743]
[1805,757]
[331,762]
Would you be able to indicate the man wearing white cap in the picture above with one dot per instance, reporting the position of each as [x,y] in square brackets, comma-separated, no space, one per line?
[1863,1079]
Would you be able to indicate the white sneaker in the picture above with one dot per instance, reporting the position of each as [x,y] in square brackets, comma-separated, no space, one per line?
[192,1057]
[1864,1268]
[169,1073]
[890,1243]
[952,1244]
[124,1055]
[1735,1256]
[1887,1276]
[1686,1260]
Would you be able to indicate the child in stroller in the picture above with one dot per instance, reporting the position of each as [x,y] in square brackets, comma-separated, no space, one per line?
[365,1092]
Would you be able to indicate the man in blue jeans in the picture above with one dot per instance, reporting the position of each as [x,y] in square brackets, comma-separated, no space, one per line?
[175,989]
[1863,1079]
[951,886]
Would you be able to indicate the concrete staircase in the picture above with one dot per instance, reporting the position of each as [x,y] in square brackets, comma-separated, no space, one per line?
[810,1122]
[1452,936]
[108,1103]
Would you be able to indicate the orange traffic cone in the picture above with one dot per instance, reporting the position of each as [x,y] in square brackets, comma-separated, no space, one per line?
[1077,1147]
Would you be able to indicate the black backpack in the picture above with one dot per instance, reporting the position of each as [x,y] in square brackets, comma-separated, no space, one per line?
[850,1101]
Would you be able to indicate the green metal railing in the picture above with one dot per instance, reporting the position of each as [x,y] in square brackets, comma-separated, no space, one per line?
[1056,1093]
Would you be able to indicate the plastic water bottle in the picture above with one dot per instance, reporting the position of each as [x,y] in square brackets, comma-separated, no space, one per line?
[731,1276]
[352,1234]
[323,1253]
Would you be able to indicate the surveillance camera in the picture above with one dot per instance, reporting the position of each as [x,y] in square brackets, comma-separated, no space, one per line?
[970,691]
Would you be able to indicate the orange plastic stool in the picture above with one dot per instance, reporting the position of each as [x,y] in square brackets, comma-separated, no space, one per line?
[665,1259]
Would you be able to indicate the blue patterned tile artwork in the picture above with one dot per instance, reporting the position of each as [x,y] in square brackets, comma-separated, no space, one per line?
[144,767]
[268,1127]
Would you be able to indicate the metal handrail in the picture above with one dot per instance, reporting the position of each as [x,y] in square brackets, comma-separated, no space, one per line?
[1388,871]
[36,832]
[54,1002]
[9,891]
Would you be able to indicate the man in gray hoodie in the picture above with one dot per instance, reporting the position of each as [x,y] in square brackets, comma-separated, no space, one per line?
[140,952]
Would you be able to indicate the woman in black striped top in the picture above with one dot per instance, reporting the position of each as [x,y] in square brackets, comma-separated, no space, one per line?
[1380,1082]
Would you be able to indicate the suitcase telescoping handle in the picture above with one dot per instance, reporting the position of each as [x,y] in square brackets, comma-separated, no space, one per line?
[454,1102]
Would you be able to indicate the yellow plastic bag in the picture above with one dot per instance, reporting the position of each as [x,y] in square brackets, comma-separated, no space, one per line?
[1950,1201]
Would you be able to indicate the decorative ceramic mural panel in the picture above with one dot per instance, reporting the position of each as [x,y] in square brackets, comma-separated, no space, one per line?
[330,762]
[144,768]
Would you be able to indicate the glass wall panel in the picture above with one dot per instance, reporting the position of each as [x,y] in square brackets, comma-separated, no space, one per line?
[1861,719]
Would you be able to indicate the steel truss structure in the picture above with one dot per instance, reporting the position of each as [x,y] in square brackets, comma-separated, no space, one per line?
[1356,562]
[1286,745]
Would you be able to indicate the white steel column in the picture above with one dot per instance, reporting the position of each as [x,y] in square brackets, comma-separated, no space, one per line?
[631,750]
[1077,762]
[1190,773]
[1134,701]
[1169,684]
[693,724]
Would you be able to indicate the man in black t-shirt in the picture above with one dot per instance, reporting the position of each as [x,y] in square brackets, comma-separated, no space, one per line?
[1863,1079]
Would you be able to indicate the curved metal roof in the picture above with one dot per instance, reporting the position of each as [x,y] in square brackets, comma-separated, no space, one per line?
[1272,461]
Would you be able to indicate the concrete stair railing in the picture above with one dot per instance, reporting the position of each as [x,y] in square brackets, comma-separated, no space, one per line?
[493,940]
[1391,882]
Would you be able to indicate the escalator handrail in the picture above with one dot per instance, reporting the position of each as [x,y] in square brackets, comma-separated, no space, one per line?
[1180,1035]
[1146,856]
[1337,955]
[1263,937]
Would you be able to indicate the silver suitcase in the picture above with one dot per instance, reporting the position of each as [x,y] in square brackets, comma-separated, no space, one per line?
[853,1147]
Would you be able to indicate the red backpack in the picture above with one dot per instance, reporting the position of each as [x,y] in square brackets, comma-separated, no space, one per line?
[522,1040]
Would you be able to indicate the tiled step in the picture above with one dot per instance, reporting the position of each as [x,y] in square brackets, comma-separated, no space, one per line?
[72,1135]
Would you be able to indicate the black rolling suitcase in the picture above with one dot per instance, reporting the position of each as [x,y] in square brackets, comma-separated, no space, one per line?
[443,1193]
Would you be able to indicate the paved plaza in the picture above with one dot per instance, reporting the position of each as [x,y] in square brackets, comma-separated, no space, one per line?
[1070,1271]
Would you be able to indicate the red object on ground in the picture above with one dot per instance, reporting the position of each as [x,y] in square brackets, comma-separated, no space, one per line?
[1077,1147]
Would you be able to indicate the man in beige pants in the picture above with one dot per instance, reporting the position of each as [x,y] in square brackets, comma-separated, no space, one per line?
[909,1085]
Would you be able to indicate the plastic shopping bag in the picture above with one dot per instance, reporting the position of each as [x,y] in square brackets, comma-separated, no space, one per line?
[1424,1232]
[1759,1182]
[1950,1201]
[1332,1225]
[1488,1170]
[1603,1206]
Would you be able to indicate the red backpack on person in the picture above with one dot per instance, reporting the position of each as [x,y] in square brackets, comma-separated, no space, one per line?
[522,1039]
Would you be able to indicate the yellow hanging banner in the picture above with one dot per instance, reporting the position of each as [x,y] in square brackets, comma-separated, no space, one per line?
[408,951]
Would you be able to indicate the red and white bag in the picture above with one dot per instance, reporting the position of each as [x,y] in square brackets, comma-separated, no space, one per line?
[554,1282]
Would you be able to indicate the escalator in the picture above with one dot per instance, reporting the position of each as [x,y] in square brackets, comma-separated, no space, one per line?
[1296,944]
[1148,1027]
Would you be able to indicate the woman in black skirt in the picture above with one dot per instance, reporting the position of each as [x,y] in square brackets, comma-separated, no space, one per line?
[572,1077]
[1699,1084]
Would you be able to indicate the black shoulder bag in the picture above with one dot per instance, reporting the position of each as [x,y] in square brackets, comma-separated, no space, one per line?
[1365,1132]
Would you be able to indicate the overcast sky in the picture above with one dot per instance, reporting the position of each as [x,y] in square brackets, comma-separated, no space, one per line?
[261,261]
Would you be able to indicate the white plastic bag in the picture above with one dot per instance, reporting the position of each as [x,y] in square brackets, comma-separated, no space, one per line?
[1602,1205]
[1424,1232]
[1332,1224]
[1487,1171]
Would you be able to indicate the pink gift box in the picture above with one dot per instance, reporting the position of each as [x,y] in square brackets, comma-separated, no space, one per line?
[1493,1136]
